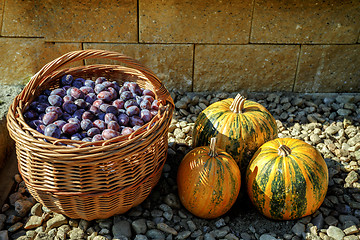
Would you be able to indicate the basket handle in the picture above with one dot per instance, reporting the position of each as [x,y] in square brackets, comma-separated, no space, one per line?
[79,55]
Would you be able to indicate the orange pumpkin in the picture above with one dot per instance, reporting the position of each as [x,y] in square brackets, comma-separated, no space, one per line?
[208,181]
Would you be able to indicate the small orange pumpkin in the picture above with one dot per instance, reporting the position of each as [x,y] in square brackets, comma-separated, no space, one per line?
[208,181]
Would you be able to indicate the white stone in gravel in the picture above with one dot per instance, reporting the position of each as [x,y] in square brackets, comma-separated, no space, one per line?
[56,221]
[76,233]
[314,138]
[179,134]
[298,229]
[33,222]
[36,210]
[351,230]
[266,236]
[31,234]
[62,231]
[335,232]
[42,236]
[331,130]
[99,238]
[352,177]
[139,226]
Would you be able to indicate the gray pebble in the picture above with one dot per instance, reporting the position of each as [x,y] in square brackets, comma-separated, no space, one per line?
[4,235]
[140,237]
[155,234]
[231,236]
[121,227]
[139,226]
[298,229]
[183,235]
[220,223]
[181,104]
[83,224]
[267,237]
[245,236]
[209,236]
[15,227]
[345,218]
[2,221]
[172,201]
[191,225]
[318,221]
[22,207]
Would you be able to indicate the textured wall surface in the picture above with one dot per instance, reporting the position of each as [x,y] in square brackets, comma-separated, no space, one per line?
[251,45]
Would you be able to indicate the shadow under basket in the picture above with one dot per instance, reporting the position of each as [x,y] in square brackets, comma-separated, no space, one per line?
[91,180]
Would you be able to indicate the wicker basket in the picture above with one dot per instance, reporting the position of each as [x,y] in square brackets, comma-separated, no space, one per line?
[91,180]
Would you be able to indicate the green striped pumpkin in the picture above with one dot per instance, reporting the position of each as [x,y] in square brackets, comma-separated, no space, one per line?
[240,126]
[287,179]
[208,181]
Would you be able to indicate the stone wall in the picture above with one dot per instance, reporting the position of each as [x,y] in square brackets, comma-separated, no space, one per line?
[251,45]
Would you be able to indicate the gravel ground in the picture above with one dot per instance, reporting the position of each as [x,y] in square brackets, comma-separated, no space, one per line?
[329,122]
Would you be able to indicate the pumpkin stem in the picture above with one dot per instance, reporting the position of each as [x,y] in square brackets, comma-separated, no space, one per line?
[238,104]
[284,151]
[213,152]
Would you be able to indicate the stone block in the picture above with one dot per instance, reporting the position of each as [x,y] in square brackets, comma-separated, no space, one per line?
[328,68]
[305,21]
[235,68]
[195,21]
[7,95]
[23,57]
[68,20]
[171,63]
[1,10]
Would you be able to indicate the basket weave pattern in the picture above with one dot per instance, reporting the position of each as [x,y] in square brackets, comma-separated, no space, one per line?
[91,180]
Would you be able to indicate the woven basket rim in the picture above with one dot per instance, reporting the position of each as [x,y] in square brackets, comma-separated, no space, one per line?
[164,111]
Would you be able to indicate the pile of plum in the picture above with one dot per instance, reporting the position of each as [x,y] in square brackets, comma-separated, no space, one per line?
[87,110]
